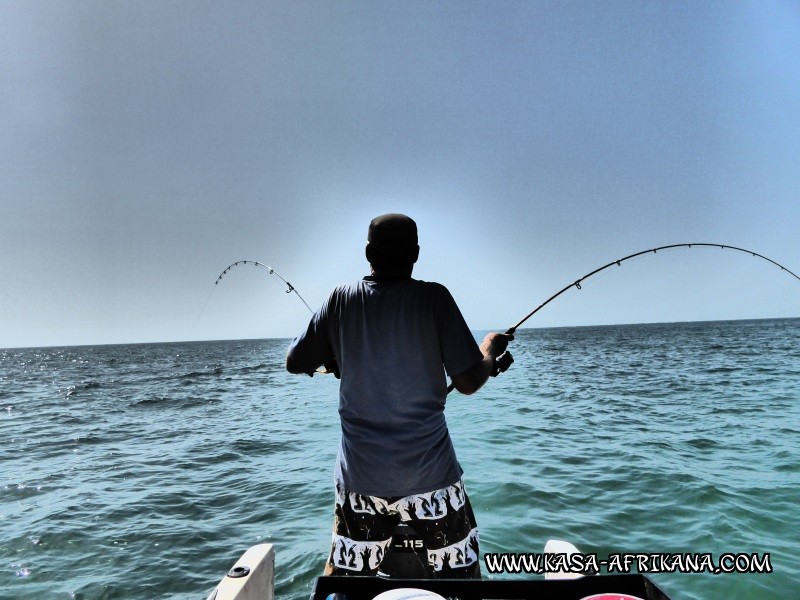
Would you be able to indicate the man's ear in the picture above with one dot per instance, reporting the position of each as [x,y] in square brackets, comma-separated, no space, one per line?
[369,252]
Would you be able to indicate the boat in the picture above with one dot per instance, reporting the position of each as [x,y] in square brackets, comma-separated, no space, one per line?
[252,577]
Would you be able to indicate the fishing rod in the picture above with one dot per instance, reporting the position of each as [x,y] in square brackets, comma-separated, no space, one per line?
[619,261]
[289,287]
[330,367]
[505,360]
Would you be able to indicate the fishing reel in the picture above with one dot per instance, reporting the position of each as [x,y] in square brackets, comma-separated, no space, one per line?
[501,363]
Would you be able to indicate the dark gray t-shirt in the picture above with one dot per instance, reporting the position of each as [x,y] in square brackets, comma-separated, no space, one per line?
[392,340]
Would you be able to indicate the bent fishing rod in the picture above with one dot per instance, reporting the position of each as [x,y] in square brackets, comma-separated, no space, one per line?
[329,368]
[505,360]
[619,261]
[289,287]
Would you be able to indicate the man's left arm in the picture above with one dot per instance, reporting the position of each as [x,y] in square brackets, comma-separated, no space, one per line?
[311,349]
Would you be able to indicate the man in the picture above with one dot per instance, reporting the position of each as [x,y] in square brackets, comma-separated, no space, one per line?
[393,338]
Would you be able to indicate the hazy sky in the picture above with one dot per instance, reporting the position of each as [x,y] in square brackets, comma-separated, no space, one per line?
[145,146]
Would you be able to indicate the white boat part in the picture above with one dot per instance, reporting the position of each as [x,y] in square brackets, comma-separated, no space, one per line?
[251,578]
[561,547]
[408,594]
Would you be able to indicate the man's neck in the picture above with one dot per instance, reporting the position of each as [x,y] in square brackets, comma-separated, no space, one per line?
[386,275]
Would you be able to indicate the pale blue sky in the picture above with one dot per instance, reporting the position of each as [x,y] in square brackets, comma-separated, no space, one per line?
[144,146]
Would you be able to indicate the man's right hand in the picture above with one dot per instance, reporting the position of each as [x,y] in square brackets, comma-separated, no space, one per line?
[494,344]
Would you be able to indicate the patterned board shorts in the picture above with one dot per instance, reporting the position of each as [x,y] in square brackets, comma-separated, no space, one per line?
[363,526]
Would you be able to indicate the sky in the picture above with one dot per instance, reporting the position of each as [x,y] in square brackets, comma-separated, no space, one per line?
[145,146]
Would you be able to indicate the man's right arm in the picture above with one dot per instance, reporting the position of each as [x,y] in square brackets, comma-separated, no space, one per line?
[470,381]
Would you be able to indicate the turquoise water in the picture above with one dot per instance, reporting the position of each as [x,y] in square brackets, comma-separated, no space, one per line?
[144,471]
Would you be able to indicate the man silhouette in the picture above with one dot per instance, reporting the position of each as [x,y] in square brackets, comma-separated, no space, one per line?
[394,339]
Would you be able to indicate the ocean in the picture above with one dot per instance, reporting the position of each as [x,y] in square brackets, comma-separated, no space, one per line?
[145,471]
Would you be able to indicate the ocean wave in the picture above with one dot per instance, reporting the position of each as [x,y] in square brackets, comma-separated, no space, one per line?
[252,368]
[215,372]
[80,387]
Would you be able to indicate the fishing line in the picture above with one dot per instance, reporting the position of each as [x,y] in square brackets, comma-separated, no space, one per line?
[619,261]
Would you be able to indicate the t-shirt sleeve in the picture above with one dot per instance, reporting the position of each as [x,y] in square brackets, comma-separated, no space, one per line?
[459,349]
[311,349]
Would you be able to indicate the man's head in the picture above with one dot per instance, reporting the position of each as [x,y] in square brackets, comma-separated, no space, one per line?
[392,244]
